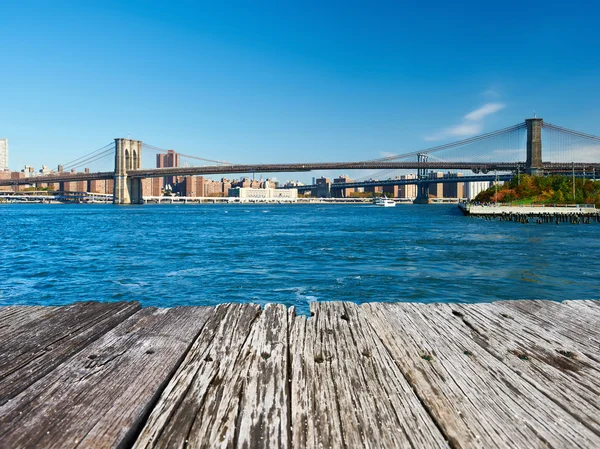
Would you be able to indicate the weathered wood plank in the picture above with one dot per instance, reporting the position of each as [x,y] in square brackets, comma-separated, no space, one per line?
[13,317]
[100,397]
[35,348]
[585,308]
[200,407]
[346,389]
[565,318]
[544,358]
[476,399]
[263,419]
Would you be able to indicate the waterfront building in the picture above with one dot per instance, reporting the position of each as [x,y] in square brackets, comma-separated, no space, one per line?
[374,189]
[454,189]
[323,188]
[152,186]
[473,188]
[408,190]
[5,174]
[69,186]
[3,154]
[217,188]
[391,191]
[436,190]
[101,186]
[267,194]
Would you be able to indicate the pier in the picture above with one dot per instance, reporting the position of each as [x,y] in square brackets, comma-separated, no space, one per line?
[543,213]
[440,375]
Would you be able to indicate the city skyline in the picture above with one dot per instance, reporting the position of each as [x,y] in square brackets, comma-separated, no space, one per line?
[278,84]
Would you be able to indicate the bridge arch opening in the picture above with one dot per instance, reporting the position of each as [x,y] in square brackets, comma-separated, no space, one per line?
[135,161]
[127,160]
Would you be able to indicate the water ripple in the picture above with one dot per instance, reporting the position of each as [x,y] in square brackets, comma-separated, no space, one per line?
[293,254]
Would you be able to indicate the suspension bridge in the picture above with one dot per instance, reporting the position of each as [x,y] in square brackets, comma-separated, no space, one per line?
[509,151]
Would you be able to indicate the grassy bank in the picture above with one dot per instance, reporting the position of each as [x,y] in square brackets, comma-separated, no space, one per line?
[552,189]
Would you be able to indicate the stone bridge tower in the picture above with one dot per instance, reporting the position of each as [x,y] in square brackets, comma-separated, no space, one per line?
[128,156]
[534,146]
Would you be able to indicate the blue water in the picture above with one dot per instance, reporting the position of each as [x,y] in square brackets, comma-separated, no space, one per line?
[294,254]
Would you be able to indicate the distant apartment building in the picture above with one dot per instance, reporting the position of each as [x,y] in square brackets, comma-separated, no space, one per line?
[408,190]
[342,193]
[17,175]
[101,186]
[69,186]
[169,160]
[3,154]
[436,190]
[5,174]
[473,188]
[247,182]
[373,189]
[152,186]
[217,188]
[391,190]
[291,183]
[45,170]
[454,189]
[323,188]
[194,186]
[29,171]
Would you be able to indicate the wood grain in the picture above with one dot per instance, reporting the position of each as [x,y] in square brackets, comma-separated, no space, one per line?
[13,317]
[544,358]
[507,374]
[475,398]
[346,389]
[199,407]
[35,348]
[100,397]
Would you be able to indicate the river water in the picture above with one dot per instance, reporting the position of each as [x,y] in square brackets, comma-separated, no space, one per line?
[167,255]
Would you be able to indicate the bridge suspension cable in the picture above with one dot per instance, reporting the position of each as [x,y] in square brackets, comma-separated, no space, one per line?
[567,145]
[162,150]
[571,131]
[504,145]
[464,142]
[90,157]
[108,153]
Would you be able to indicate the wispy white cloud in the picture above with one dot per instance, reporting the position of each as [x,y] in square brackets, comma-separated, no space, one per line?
[470,125]
[484,111]
[465,129]
[387,154]
[461,130]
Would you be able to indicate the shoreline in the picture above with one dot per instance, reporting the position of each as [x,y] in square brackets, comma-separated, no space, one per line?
[227,201]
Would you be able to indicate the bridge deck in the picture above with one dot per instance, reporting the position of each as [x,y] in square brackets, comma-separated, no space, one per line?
[507,374]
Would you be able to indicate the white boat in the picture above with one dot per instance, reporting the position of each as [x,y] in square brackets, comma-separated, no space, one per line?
[384,202]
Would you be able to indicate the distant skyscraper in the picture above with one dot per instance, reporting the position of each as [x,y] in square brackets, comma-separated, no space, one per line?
[169,160]
[3,154]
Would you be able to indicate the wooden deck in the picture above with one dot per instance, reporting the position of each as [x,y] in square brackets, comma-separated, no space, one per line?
[101,375]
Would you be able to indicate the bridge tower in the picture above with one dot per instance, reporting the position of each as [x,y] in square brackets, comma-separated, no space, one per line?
[534,146]
[422,185]
[128,156]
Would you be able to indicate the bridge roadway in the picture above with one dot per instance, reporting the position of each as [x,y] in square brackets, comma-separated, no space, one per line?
[300,167]
[402,182]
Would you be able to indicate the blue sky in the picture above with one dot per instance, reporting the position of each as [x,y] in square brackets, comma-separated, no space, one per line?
[279,82]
